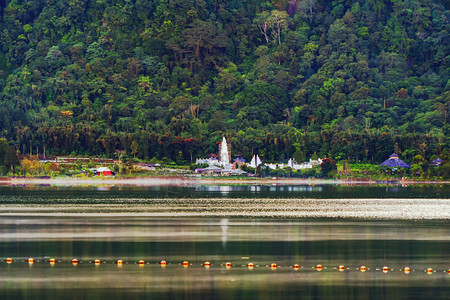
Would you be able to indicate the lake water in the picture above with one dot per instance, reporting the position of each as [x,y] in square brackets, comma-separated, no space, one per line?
[353,226]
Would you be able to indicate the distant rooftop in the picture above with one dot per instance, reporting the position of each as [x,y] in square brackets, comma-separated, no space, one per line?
[394,161]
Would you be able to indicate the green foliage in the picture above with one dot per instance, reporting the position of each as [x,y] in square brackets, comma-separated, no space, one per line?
[354,80]
[262,170]
[327,166]
[3,150]
[11,160]
[299,156]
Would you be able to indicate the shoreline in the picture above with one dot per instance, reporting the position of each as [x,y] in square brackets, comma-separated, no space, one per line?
[190,181]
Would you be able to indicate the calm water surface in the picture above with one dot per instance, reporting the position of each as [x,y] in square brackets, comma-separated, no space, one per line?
[374,226]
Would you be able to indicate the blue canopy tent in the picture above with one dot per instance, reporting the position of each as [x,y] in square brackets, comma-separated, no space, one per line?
[394,162]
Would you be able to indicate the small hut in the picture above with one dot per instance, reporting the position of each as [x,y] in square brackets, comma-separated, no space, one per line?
[104,171]
[238,172]
[394,162]
[437,162]
[211,170]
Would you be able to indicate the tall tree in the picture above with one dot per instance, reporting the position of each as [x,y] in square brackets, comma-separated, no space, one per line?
[280,22]
[11,159]
[264,23]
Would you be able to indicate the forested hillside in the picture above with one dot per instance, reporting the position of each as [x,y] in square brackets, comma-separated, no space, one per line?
[347,79]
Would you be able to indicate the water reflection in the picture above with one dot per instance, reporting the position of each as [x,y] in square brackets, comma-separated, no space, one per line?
[44,193]
[255,188]
[222,189]
[224,227]
[204,224]
[131,280]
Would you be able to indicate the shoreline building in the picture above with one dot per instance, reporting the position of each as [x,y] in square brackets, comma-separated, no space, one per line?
[225,156]
[221,163]
[222,160]
[394,162]
[296,166]
[218,164]
[437,162]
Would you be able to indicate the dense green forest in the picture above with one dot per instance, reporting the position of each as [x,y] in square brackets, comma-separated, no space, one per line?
[348,79]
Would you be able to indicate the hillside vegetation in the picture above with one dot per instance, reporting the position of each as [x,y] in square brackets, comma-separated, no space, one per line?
[347,79]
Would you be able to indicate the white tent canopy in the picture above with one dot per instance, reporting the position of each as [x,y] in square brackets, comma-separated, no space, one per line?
[256,161]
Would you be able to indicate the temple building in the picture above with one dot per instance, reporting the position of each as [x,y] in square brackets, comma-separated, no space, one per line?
[394,162]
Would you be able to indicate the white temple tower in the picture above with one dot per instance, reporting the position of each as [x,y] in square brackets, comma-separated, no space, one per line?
[224,154]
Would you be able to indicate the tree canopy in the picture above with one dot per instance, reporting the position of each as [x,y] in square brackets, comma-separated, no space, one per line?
[347,79]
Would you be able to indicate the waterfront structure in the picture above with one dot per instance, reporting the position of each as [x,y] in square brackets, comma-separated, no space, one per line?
[217,166]
[437,162]
[211,170]
[296,166]
[256,161]
[221,163]
[103,171]
[223,160]
[224,154]
[394,162]
[237,172]
[238,162]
